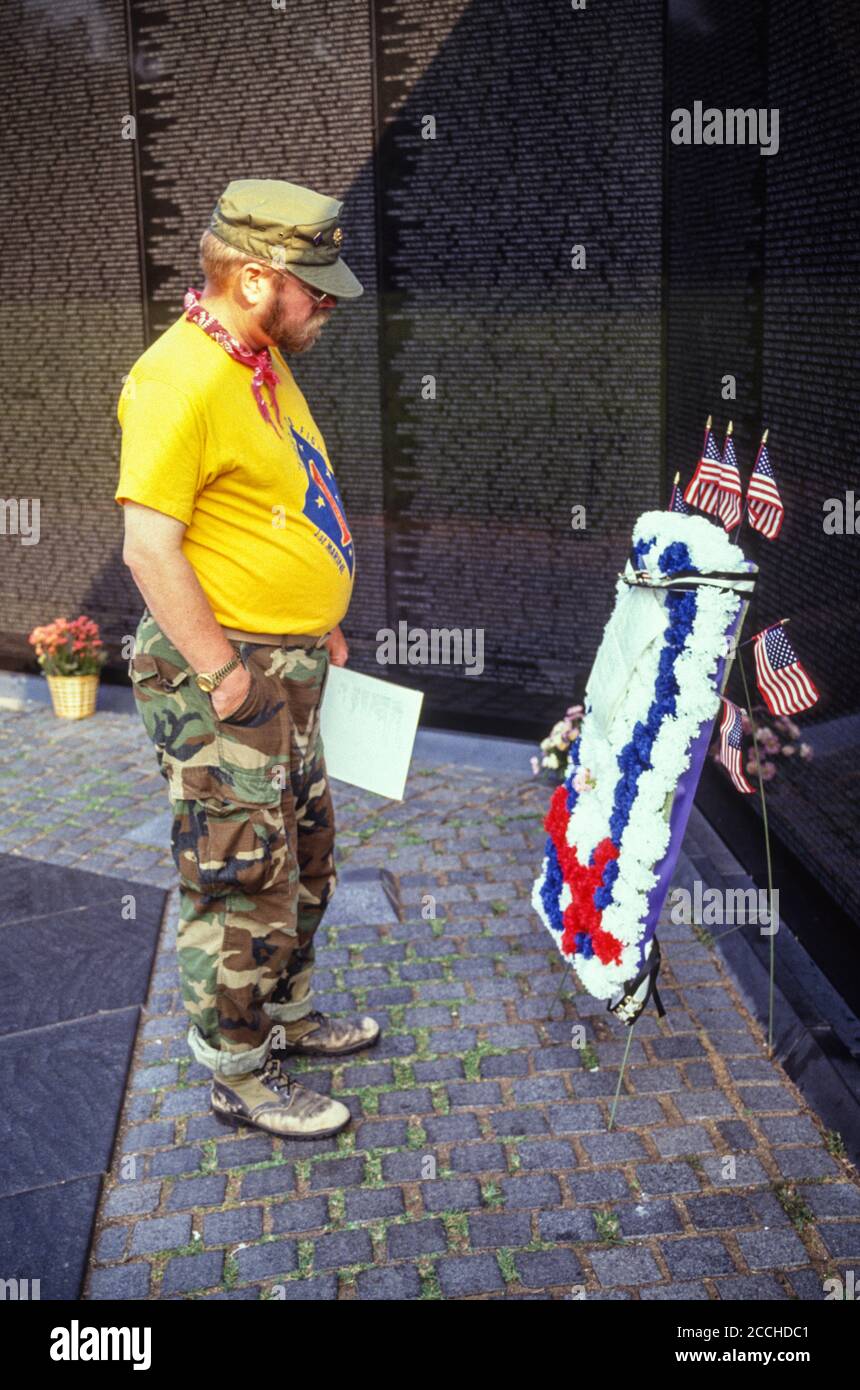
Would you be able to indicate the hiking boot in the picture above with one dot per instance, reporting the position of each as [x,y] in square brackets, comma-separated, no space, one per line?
[272,1101]
[317,1035]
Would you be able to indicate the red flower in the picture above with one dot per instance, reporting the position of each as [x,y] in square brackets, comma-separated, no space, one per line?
[581,913]
[605,851]
[555,821]
[568,945]
[606,947]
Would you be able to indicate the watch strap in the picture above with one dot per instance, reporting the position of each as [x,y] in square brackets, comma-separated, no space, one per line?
[216,677]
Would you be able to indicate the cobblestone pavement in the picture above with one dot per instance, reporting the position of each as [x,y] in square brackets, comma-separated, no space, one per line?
[479,1163]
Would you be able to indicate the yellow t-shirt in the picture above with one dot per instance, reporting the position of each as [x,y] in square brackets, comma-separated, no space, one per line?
[266,534]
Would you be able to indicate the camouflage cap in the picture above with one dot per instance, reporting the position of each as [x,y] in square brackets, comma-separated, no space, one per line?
[290,227]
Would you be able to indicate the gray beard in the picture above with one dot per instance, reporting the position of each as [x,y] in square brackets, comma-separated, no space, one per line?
[292,340]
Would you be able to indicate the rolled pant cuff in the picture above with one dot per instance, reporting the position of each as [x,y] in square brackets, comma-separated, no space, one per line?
[226,1063]
[289,1013]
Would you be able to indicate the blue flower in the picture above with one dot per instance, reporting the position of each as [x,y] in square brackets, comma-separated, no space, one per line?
[603,894]
[640,549]
[635,756]
[551,890]
[674,558]
[572,793]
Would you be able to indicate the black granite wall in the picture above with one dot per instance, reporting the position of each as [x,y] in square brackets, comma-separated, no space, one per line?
[483,386]
[764,284]
[547,379]
[70,310]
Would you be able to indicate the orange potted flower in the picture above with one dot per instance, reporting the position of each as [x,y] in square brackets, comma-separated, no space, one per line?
[71,655]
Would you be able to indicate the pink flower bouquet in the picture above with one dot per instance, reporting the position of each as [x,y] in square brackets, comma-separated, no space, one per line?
[65,648]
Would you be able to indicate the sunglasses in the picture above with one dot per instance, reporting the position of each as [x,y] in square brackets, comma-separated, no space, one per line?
[318,299]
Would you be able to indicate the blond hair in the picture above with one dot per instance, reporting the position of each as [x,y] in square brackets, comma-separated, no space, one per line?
[219,262]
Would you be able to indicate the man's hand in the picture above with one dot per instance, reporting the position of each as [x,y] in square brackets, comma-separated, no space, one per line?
[229,695]
[338,651]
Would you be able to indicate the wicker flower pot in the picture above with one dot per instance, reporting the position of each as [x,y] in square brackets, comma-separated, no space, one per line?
[73,697]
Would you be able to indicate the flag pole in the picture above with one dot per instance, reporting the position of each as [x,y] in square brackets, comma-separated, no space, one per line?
[744,508]
[621,1074]
[736,645]
[782,622]
[766,828]
[772,967]
[729,432]
[565,974]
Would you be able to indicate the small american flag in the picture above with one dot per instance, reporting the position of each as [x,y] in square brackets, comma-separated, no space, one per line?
[731,730]
[784,684]
[703,489]
[730,509]
[677,503]
[764,504]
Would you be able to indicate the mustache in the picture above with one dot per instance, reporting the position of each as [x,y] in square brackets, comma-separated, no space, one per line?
[317,320]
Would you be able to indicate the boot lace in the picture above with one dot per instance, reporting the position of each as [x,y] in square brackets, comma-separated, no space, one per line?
[274,1076]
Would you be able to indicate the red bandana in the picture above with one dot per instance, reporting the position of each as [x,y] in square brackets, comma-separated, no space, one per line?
[264,372]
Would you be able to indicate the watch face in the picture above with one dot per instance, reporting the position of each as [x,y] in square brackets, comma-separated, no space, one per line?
[206,683]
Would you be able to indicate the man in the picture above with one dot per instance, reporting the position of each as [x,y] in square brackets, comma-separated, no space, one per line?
[237,539]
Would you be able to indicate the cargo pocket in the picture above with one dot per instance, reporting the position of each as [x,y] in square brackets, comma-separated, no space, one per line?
[254,742]
[175,715]
[150,672]
[225,843]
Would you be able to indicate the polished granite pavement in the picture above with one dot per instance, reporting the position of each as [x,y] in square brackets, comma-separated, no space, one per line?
[77,950]
[480,1162]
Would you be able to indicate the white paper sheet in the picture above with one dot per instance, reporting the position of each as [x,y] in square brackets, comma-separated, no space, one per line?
[368,730]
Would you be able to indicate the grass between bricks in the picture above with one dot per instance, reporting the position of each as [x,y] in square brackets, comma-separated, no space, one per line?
[794,1205]
[834,1143]
[439,1097]
[589,1057]
[430,1286]
[608,1228]
[182,1083]
[416,1134]
[209,1161]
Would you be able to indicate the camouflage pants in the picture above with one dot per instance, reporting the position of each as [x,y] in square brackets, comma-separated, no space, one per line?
[253,838]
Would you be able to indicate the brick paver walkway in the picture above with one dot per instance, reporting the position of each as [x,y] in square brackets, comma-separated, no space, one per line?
[479,1163]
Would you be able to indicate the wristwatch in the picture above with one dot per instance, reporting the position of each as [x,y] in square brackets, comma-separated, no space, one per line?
[208,680]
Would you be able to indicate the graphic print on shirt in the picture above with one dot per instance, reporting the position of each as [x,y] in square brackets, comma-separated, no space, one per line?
[323,503]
